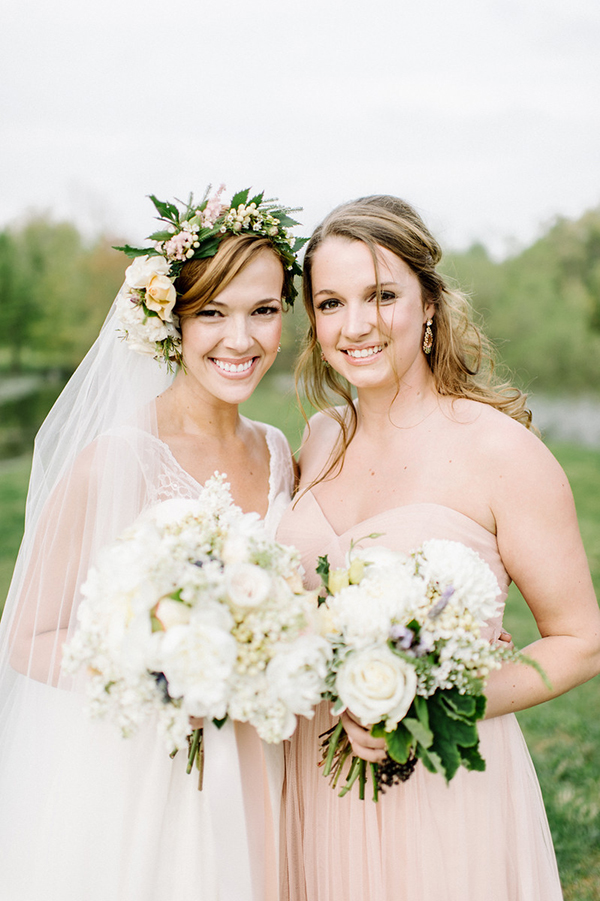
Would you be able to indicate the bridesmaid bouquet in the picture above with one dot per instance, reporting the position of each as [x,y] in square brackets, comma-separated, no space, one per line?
[194,611]
[408,658]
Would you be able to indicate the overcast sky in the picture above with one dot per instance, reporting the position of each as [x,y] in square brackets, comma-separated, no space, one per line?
[484,114]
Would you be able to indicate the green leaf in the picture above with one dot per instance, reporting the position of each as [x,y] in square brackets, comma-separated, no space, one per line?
[220,723]
[165,209]
[208,249]
[421,708]
[399,743]
[160,236]
[420,731]
[240,197]
[257,199]
[299,244]
[472,759]
[138,251]
[284,220]
[430,760]
[323,568]
[460,707]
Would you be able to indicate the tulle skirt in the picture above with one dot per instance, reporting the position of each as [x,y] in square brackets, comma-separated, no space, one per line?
[88,816]
[483,837]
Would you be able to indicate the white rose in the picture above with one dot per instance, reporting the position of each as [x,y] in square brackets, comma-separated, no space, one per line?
[143,269]
[161,296]
[376,684]
[247,585]
[297,673]
[171,613]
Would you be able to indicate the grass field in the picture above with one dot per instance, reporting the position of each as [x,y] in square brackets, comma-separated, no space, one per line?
[563,735]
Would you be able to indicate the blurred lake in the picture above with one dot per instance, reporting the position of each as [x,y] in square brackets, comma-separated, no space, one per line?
[25,401]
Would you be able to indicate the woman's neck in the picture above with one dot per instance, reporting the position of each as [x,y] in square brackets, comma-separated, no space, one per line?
[402,406]
[185,408]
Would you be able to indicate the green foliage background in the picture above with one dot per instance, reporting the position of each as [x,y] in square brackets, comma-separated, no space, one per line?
[541,307]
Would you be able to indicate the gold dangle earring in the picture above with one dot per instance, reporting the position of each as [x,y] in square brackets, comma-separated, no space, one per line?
[428,337]
[323,360]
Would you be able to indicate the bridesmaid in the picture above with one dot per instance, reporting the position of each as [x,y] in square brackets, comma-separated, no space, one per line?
[433,446]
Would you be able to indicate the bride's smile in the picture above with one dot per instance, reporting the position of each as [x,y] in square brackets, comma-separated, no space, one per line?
[231,342]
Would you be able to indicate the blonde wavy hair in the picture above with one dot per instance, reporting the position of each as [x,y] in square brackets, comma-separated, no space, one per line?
[461,360]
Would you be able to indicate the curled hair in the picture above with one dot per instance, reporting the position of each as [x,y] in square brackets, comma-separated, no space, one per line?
[200,281]
[461,360]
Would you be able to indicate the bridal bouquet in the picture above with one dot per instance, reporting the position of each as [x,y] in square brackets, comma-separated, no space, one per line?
[194,611]
[408,658]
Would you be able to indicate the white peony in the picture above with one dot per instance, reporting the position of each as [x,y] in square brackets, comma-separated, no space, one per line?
[247,585]
[144,268]
[297,673]
[454,566]
[198,660]
[376,684]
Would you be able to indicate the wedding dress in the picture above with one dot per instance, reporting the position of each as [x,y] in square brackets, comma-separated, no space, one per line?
[86,815]
[483,837]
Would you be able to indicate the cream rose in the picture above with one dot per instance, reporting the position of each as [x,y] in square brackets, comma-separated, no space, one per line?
[143,269]
[161,296]
[247,585]
[376,684]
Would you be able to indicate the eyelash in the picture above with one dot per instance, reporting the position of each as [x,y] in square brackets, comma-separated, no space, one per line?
[331,303]
[216,314]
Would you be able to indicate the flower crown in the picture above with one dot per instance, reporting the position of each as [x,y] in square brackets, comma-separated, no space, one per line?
[146,300]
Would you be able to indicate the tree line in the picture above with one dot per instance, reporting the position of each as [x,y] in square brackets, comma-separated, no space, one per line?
[541,306]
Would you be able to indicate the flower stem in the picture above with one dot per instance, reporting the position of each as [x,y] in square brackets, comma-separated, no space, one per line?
[193,742]
[352,776]
[374,771]
[335,737]
[362,778]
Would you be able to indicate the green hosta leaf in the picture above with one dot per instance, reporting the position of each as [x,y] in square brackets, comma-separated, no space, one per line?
[420,707]
[480,705]
[399,743]
[472,759]
[240,197]
[460,707]
[453,731]
[419,731]
[431,760]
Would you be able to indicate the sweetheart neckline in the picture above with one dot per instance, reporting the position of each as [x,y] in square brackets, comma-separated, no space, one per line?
[491,535]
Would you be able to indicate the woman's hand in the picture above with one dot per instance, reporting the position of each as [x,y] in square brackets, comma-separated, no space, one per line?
[363,743]
[196,722]
[505,638]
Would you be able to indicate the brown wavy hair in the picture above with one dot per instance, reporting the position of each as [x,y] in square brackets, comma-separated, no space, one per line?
[461,360]
[200,281]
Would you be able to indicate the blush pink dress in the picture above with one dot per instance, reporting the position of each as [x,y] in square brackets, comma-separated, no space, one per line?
[483,837]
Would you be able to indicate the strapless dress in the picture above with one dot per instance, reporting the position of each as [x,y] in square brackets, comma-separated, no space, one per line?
[483,837]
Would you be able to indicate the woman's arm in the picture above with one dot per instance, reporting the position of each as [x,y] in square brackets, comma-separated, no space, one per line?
[541,547]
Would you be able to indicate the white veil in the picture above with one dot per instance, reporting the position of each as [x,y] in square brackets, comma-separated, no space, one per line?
[84,813]
[88,481]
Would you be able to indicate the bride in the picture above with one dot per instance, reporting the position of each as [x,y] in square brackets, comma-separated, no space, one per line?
[84,813]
